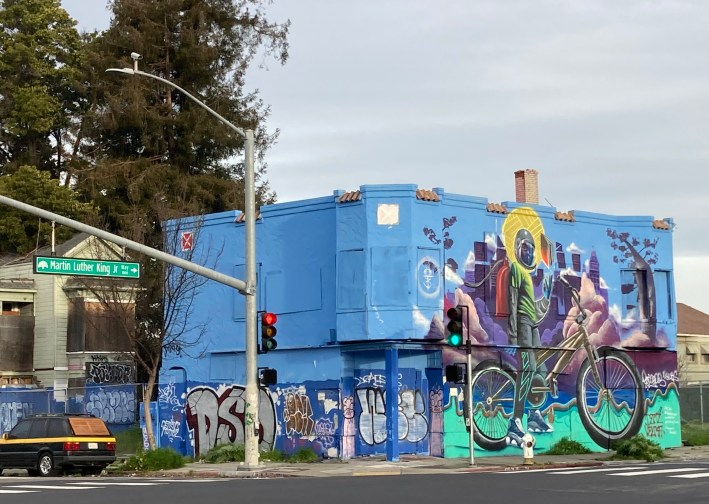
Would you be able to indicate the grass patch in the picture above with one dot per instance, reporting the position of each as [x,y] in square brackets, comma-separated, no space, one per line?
[235,453]
[154,460]
[695,434]
[566,446]
[638,448]
[129,441]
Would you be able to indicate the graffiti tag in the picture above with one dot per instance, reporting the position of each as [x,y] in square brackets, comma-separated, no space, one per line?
[659,379]
[298,415]
[218,418]
[13,412]
[112,406]
[104,372]
[654,425]
[412,422]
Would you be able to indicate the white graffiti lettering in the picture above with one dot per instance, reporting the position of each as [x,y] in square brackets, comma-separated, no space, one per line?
[112,406]
[218,418]
[170,429]
[659,379]
[104,372]
[13,412]
[167,395]
[412,422]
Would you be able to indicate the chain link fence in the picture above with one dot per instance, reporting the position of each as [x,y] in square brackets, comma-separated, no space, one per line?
[694,402]
[117,405]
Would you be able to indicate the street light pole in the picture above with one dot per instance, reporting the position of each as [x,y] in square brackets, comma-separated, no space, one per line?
[251,422]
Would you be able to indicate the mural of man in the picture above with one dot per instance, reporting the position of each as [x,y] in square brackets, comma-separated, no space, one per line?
[525,315]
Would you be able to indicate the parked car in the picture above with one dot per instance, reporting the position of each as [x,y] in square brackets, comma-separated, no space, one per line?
[48,444]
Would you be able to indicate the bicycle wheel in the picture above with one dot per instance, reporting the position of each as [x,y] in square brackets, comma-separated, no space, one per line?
[614,408]
[493,389]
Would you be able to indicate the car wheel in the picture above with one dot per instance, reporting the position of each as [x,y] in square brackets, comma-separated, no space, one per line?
[45,465]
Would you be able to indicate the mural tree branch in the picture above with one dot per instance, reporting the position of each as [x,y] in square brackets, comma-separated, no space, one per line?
[640,256]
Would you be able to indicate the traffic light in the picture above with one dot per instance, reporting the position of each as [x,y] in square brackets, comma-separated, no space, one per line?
[455,326]
[268,331]
[268,376]
[455,373]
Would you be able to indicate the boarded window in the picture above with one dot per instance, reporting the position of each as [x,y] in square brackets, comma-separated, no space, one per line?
[93,327]
[89,427]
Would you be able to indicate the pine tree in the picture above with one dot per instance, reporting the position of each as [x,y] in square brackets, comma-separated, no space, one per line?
[40,52]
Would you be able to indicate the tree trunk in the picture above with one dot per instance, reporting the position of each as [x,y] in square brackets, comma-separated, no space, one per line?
[147,395]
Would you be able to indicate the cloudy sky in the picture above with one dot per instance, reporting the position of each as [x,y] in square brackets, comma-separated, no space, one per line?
[608,100]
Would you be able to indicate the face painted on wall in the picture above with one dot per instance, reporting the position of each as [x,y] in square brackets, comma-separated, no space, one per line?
[525,249]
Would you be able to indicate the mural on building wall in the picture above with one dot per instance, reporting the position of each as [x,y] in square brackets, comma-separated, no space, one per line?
[551,355]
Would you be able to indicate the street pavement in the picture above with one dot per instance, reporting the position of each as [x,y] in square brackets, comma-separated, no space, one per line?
[412,464]
[406,465]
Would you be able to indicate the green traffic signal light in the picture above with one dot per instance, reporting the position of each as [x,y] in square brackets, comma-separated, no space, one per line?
[455,326]
[455,339]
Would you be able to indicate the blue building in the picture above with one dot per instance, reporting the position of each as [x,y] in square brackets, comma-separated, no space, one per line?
[361,282]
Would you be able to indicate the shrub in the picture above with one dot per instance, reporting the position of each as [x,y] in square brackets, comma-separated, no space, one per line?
[304,455]
[154,460]
[566,446]
[225,453]
[235,453]
[694,434]
[637,448]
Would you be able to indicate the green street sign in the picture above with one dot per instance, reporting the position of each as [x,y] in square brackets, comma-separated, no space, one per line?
[85,267]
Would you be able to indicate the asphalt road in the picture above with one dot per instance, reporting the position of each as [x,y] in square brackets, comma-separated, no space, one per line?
[686,483]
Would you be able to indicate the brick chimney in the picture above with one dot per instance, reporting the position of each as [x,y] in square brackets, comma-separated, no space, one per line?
[527,186]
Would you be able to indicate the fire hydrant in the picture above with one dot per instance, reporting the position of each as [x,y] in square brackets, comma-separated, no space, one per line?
[528,443]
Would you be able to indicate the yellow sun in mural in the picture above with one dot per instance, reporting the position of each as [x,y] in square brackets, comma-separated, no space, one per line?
[526,218]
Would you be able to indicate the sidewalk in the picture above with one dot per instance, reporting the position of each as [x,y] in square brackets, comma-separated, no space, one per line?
[411,464]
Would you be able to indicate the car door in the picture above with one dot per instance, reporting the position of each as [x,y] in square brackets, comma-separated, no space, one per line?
[37,439]
[11,447]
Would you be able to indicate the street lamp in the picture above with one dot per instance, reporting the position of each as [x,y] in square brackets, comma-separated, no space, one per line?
[251,423]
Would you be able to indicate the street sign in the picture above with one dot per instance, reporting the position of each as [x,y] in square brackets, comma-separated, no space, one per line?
[85,267]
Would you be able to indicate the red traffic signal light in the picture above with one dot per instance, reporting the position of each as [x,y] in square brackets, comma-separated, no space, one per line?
[268,331]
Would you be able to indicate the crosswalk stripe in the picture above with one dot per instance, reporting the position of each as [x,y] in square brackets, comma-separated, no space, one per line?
[658,471]
[162,480]
[2,491]
[605,469]
[691,476]
[51,487]
[115,483]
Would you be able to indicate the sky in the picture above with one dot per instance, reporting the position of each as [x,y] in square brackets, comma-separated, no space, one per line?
[607,100]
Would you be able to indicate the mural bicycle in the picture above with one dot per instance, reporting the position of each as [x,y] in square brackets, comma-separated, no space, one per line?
[609,392]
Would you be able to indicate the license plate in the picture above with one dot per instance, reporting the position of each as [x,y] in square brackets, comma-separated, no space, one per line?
[93,446]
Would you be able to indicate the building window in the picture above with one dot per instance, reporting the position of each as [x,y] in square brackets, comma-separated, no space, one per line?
[705,358]
[691,357]
[663,295]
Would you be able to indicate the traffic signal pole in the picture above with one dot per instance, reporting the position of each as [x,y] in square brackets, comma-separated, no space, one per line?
[251,422]
[469,396]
